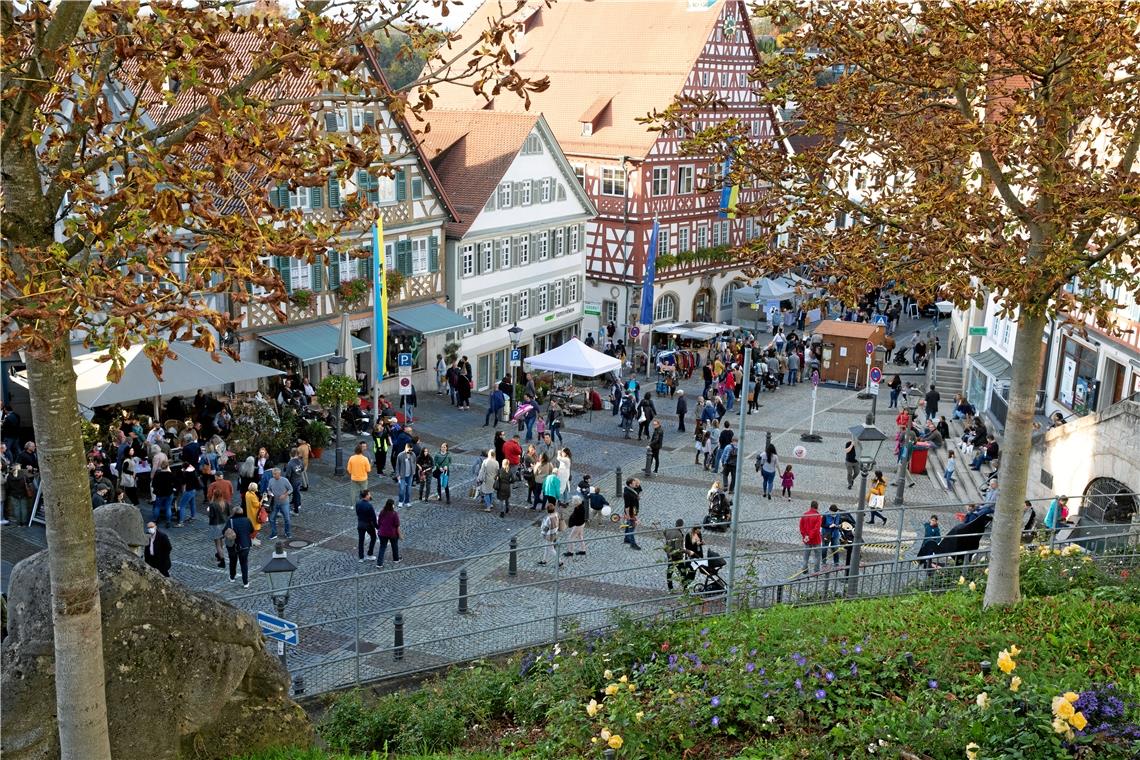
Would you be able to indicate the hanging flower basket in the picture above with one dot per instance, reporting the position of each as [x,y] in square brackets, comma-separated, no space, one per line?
[302,298]
[352,292]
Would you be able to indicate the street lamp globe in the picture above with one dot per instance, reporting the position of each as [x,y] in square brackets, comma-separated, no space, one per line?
[280,571]
[515,332]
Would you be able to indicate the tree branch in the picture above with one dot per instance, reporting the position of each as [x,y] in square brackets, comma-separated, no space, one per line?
[990,164]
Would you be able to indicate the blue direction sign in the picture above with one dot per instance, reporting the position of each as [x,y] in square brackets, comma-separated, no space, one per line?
[278,629]
[403,360]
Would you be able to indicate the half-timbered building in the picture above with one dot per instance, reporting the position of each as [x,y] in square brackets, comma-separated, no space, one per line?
[611,62]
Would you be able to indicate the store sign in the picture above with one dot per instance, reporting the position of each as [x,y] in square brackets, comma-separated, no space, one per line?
[979,330]
[1068,375]
[592,309]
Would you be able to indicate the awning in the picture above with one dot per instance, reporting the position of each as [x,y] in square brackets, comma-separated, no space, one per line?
[310,344]
[428,319]
[992,363]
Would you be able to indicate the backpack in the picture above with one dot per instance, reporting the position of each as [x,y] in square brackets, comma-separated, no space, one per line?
[626,407]
[729,456]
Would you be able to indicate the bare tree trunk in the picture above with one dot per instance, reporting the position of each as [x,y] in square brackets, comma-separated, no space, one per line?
[1002,586]
[81,702]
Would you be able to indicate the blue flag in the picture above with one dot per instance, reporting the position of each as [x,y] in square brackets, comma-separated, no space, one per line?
[650,274]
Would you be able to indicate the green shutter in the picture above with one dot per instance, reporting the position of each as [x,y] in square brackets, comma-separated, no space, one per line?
[401,185]
[334,192]
[282,264]
[316,198]
[373,188]
[369,119]
[334,268]
[330,122]
[318,269]
[433,254]
[404,257]
[364,268]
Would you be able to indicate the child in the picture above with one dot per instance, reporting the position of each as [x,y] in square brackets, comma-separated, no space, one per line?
[951,466]
[699,441]
[707,446]
[786,481]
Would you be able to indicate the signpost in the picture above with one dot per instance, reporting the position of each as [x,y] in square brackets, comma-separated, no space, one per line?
[404,369]
[592,309]
[516,357]
[874,376]
[811,435]
[278,629]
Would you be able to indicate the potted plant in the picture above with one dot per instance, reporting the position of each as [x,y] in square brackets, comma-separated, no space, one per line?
[394,280]
[318,435]
[302,298]
[352,292]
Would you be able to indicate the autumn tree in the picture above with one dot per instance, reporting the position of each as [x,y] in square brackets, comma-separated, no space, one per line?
[136,137]
[980,149]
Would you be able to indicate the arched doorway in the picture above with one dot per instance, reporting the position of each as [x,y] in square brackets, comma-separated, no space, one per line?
[1106,511]
[703,306]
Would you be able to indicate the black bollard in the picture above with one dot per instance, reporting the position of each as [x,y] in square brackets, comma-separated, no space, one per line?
[513,558]
[617,483]
[462,592]
[648,460]
[398,638]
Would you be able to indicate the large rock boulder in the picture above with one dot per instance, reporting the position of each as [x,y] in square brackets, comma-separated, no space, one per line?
[188,675]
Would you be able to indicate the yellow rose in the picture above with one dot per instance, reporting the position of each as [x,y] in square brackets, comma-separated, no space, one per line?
[983,700]
[973,586]
[961,580]
[1071,696]
[1078,720]
[1060,726]
[1005,662]
[608,675]
[972,751]
[615,742]
[641,714]
[1015,683]
[1064,710]
[1057,552]
[592,708]
[593,740]
[623,679]
[611,689]
[605,734]
[1014,650]
[633,687]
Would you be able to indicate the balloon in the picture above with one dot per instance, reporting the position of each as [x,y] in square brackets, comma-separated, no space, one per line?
[606,511]
[799,452]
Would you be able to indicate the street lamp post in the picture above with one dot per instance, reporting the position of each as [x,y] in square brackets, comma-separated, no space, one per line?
[336,366]
[515,333]
[868,440]
[279,570]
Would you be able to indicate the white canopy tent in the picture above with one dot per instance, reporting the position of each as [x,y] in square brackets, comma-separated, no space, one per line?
[192,369]
[576,358]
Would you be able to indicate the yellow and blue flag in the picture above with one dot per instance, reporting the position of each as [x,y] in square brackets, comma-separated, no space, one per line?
[379,298]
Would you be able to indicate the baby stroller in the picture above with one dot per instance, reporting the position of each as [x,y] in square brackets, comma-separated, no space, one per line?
[708,571]
[900,356]
[719,517]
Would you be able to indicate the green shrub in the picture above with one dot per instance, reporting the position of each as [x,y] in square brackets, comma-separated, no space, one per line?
[433,726]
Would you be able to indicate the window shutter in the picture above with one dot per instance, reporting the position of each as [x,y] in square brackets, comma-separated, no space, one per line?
[282,264]
[404,257]
[318,269]
[534,246]
[495,314]
[334,269]
[316,199]
[516,193]
[282,195]
[364,268]
[373,188]
[478,317]
[334,191]
[330,122]
[369,119]
[561,191]
[433,254]
[401,185]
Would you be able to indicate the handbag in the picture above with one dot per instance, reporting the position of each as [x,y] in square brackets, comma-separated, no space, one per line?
[877,501]
[642,417]
[262,516]
[229,533]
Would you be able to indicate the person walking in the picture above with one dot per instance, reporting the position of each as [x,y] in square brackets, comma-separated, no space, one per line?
[931,535]
[830,535]
[895,385]
[793,367]
[877,498]
[682,410]
[280,495]
[675,553]
[187,483]
[405,473]
[851,460]
[787,480]
[158,549]
[425,464]
[631,496]
[163,484]
[358,468]
[646,412]
[551,485]
[442,474]
[577,525]
[932,398]
[295,474]
[239,537]
[628,410]
[811,524]
[549,528]
[381,443]
[503,480]
[768,464]
[951,467]
[253,511]
[217,512]
[656,441]
[365,524]
[729,454]
[388,527]
[496,399]
[563,464]
[554,421]
[485,479]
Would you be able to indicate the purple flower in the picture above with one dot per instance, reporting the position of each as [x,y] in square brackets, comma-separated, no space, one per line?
[799,684]
[854,669]
[706,644]
[715,721]
[750,667]
[858,649]
[820,694]
[829,676]
[715,701]
[932,683]
[843,651]
[704,631]
[732,650]
[752,653]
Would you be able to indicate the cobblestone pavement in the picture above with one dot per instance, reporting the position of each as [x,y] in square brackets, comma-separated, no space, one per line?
[505,612]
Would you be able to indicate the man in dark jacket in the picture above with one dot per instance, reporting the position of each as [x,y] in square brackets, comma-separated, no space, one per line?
[656,441]
[365,524]
[932,398]
[682,410]
[631,496]
[157,551]
[646,412]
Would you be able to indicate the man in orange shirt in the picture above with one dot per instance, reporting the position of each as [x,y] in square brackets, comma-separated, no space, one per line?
[358,468]
[220,488]
[810,524]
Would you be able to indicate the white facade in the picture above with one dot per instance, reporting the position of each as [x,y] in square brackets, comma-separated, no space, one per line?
[522,261]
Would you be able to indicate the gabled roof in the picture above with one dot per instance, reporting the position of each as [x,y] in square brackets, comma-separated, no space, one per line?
[471,151]
[633,54]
